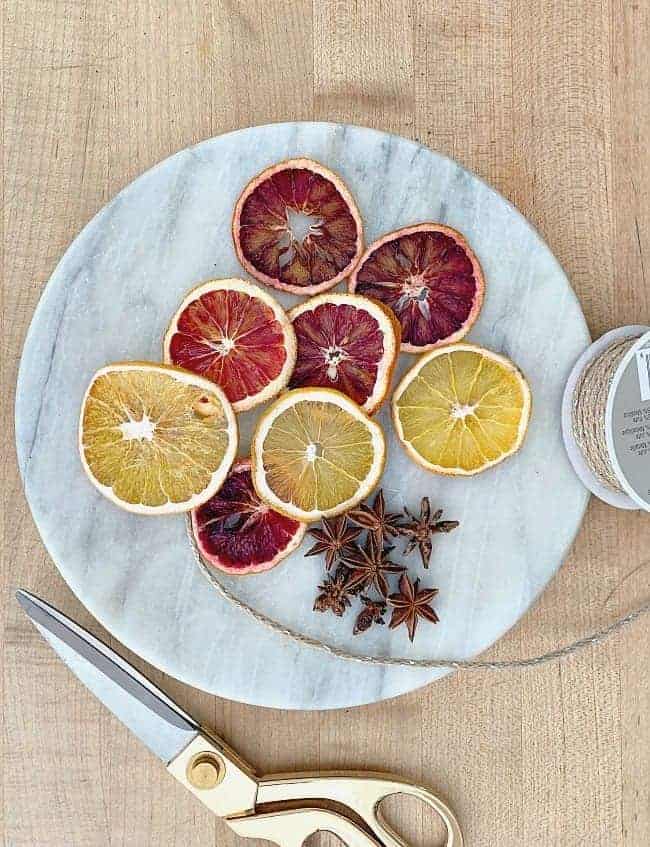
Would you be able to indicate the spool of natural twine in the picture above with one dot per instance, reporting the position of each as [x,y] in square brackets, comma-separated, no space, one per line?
[588,410]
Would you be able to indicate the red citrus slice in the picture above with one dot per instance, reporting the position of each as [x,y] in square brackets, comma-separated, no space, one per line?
[238,534]
[428,275]
[346,342]
[296,227]
[236,335]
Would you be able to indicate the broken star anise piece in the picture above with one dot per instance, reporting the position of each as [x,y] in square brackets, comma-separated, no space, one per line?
[370,564]
[372,613]
[411,604]
[419,530]
[334,594]
[376,519]
[332,537]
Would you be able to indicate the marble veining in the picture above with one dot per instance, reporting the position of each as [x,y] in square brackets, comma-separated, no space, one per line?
[110,298]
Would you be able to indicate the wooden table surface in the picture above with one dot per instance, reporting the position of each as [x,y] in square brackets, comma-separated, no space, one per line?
[549,100]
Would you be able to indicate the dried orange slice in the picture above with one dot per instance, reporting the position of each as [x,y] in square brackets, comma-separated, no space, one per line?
[430,278]
[236,335]
[237,533]
[461,409]
[155,439]
[315,454]
[296,227]
[347,343]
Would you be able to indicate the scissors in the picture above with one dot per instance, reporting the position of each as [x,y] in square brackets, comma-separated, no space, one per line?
[284,808]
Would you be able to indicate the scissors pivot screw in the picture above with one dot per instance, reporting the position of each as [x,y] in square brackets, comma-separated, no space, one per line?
[205,771]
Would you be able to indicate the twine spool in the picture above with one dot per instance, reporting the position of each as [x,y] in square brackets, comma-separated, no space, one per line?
[604,407]
[589,406]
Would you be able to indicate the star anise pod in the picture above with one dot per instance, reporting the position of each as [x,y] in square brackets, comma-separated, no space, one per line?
[376,519]
[411,604]
[372,613]
[370,564]
[354,590]
[332,538]
[334,594]
[419,530]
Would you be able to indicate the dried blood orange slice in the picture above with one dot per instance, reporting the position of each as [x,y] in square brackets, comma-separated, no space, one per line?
[348,343]
[428,275]
[296,227]
[238,534]
[236,335]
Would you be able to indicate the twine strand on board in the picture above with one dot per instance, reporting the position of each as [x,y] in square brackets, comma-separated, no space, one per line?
[588,422]
[588,410]
[448,664]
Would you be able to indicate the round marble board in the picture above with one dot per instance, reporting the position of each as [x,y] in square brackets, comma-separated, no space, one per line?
[110,299]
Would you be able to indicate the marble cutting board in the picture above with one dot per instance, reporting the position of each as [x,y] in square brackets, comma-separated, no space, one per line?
[110,299]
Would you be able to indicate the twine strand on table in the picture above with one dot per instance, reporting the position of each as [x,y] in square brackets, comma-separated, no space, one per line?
[448,664]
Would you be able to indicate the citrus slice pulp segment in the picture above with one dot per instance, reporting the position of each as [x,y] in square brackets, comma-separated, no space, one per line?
[155,439]
[315,453]
[461,409]
[347,343]
[429,277]
[237,336]
[239,534]
[296,227]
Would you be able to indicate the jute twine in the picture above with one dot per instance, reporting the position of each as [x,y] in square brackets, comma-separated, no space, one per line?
[588,410]
[450,664]
[588,419]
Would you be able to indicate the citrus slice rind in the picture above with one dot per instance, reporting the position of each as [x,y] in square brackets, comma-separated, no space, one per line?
[315,454]
[461,409]
[155,439]
[429,276]
[236,335]
[296,227]
[348,343]
[238,534]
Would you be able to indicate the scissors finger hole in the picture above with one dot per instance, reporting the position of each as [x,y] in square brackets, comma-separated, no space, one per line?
[412,821]
[323,839]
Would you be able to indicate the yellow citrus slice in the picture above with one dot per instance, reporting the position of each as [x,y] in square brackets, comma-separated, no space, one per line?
[155,439]
[461,409]
[315,454]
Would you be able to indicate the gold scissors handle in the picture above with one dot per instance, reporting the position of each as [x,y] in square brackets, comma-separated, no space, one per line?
[362,793]
[287,809]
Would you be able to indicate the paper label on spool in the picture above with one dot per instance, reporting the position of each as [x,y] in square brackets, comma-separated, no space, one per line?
[643,365]
[628,422]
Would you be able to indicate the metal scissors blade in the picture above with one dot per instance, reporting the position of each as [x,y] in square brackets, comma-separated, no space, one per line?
[156,720]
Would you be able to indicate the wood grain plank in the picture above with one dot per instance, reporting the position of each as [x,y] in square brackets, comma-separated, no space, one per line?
[547,100]
[563,162]
[363,63]
[363,73]
[563,122]
[463,84]
[630,99]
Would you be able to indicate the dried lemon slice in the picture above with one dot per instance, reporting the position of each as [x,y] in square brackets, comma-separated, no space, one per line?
[155,439]
[315,453]
[461,409]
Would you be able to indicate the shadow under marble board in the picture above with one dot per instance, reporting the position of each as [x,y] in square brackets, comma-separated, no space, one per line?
[110,299]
